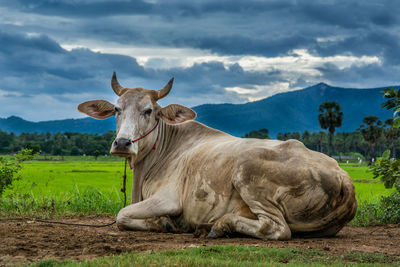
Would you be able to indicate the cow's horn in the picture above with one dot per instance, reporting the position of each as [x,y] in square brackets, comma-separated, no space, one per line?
[163,92]
[115,85]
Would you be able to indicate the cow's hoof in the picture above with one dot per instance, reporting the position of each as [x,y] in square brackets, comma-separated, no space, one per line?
[215,234]
[169,227]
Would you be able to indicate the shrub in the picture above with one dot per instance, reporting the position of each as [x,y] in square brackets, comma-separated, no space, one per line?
[9,168]
[386,211]
[368,214]
[388,169]
[391,208]
[393,103]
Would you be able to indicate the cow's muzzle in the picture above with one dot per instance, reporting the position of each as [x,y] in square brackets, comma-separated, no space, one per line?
[122,147]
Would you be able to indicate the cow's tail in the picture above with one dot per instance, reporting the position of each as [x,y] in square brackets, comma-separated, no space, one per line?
[343,210]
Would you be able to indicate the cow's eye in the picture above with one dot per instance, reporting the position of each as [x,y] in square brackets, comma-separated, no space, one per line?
[148,111]
[117,110]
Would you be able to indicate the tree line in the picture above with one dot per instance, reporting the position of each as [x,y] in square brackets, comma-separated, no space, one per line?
[63,144]
[344,143]
[372,138]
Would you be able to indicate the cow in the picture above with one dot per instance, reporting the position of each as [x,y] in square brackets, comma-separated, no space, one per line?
[188,176]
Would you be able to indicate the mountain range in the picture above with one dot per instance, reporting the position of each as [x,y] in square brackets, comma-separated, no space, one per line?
[283,112]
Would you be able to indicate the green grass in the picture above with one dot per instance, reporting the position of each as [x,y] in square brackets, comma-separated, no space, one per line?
[233,256]
[74,185]
[357,172]
[367,188]
[57,177]
[371,192]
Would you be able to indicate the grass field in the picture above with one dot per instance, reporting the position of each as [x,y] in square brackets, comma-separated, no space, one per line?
[57,185]
[367,189]
[57,177]
[72,185]
[234,256]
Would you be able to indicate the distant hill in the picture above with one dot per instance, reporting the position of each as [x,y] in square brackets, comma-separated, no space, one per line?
[284,112]
[294,111]
[85,125]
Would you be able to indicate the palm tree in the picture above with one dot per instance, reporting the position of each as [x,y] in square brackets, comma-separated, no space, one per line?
[371,132]
[330,117]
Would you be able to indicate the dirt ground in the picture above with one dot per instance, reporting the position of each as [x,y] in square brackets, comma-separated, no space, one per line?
[30,241]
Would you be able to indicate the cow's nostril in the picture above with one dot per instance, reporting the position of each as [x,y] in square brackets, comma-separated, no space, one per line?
[121,144]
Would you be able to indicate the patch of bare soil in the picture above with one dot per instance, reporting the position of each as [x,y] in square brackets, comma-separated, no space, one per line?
[30,241]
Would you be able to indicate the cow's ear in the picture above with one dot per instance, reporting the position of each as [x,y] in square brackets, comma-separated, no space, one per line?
[98,109]
[175,114]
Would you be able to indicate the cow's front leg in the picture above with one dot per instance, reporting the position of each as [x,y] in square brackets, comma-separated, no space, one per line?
[265,227]
[144,215]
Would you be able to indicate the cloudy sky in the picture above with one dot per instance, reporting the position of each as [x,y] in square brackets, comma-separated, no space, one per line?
[55,54]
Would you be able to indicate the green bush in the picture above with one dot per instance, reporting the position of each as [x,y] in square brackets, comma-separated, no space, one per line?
[368,214]
[10,168]
[388,170]
[386,211]
[393,103]
[390,206]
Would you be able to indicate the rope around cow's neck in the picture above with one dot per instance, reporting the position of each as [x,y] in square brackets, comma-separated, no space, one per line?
[123,190]
[146,134]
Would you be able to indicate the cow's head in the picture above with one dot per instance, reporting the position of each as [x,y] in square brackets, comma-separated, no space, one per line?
[137,113]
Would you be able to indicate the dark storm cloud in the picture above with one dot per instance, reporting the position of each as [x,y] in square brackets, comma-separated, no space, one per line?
[225,27]
[237,45]
[267,28]
[169,9]
[226,77]
[344,13]
[83,8]
[34,33]
[39,65]
[382,43]
[349,14]
[207,81]
[361,75]
[14,43]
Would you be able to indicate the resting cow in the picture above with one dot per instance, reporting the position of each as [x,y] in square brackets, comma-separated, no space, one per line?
[187,175]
